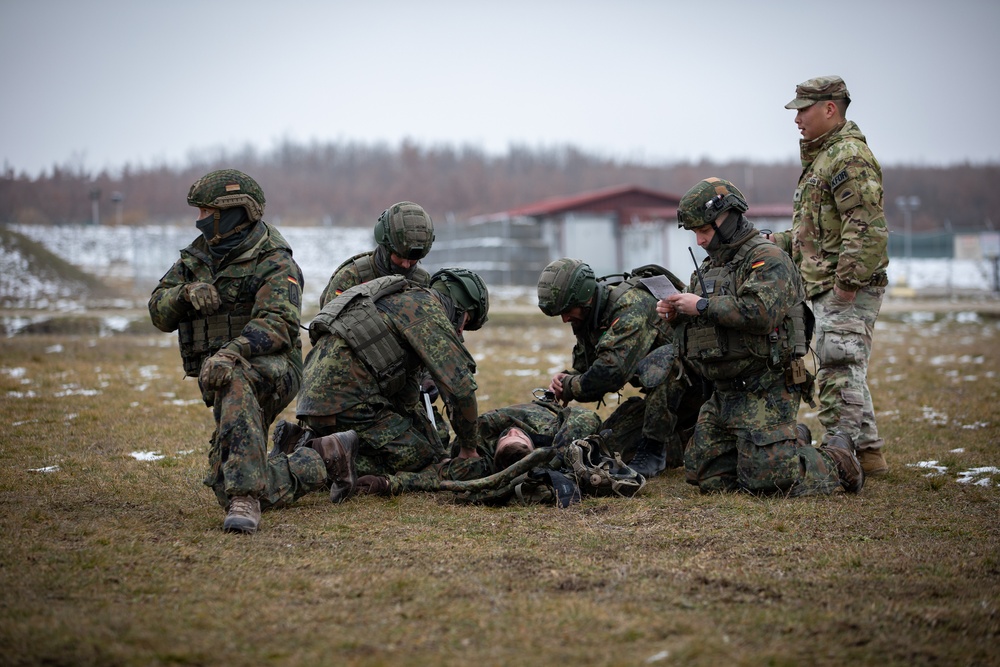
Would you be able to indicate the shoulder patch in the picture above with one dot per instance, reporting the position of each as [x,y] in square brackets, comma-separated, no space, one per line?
[757,265]
[838,178]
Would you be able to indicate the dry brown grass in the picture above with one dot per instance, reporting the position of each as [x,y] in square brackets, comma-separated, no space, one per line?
[115,561]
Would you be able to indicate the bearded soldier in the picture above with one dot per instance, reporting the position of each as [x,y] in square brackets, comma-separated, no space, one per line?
[617,330]
[234,297]
[743,325]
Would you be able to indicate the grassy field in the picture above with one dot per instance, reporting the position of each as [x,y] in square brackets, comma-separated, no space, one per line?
[111,549]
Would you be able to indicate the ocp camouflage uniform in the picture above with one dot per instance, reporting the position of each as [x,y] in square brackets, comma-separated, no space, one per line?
[606,356]
[746,436]
[260,287]
[545,422]
[839,237]
[340,393]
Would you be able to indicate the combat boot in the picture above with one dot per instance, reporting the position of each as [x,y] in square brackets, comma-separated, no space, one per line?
[243,515]
[803,435]
[841,450]
[373,485]
[287,436]
[650,458]
[873,462]
[339,452]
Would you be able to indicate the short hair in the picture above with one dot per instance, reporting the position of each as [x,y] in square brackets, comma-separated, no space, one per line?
[510,454]
[842,105]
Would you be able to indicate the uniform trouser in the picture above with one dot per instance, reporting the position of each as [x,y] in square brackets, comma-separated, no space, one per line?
[390,441]
[671,407]
[244,410]
[844,346]
[746,440]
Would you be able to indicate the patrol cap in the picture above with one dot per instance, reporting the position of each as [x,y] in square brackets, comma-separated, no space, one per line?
[819,89]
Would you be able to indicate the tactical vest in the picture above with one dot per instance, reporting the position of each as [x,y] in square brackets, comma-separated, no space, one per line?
[705,341]
[355,318]
[365,264]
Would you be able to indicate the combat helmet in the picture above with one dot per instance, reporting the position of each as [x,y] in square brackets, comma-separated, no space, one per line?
[228,188]
[467,290]
[564,284]
[706,201]
[406,230]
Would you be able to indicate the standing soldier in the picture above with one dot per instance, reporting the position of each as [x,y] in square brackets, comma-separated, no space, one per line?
[616,328]
[234,297]
[371,344]
[743,325]
[839,242]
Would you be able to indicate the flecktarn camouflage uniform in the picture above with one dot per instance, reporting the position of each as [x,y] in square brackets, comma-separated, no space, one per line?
[544,421]
[260,279]
[746,433]
[607,355]
[340,393]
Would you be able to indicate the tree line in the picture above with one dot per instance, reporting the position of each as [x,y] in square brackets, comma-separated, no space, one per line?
[349,183]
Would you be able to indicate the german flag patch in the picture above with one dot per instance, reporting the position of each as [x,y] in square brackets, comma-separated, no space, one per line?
[757,265]
[292,280]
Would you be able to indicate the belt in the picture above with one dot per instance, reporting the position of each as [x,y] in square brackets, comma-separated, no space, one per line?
[744,383]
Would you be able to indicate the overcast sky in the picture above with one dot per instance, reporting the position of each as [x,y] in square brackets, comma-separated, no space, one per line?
[102,83]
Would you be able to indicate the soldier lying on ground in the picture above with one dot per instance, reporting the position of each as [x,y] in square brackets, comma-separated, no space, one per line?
[540,452]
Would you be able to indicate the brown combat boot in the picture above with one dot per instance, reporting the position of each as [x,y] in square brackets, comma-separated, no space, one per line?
[841,450]
[373,485]
[339,452]
[873,462]
[243,515]
[803,435]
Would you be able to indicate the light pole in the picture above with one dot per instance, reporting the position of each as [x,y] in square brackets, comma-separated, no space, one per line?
[908,205]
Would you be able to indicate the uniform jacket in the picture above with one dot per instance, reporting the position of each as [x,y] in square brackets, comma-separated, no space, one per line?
[612,341]
[839,234]
[336,379]
[347,276]
[260,271]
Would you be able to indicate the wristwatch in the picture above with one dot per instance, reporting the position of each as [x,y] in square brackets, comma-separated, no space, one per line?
[702,305]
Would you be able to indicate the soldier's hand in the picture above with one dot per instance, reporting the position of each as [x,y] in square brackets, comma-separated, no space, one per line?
[203,297]
[217,371]
[429,387]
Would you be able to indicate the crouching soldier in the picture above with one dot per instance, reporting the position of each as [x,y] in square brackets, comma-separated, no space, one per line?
[361,382]
[743,326]
[234,298]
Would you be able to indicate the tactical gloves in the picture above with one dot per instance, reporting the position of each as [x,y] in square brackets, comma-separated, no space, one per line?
[203,297]
[217,371]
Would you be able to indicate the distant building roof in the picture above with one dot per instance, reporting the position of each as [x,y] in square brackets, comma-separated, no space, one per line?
[619,199]
[630,202]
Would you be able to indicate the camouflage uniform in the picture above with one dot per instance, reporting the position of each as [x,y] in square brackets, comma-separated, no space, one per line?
[606,356]
[375,264]
[258,277]
[746,432]
[839,237]
[545,422]
[340,393]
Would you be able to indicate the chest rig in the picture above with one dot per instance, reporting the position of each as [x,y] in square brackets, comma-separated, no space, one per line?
[354,316]
[782,348]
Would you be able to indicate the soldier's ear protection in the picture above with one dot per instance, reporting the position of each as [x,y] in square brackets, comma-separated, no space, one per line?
[720,203]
